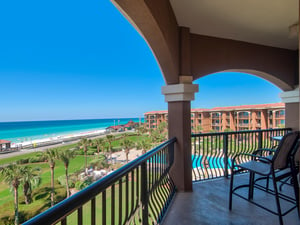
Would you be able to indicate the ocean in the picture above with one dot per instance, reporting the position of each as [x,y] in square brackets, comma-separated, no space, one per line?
[18,132]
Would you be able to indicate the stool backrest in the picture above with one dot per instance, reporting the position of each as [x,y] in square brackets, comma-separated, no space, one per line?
[284,149]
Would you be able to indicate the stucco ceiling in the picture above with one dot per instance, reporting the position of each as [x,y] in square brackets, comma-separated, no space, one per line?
[263,22]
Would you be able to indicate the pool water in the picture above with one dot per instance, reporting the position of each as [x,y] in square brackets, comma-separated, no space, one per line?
[213,162]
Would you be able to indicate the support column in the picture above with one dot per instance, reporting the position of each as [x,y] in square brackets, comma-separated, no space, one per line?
[291,100]
[179,98]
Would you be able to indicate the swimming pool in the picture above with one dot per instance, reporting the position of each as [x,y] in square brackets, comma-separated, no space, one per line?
[213,162]
[197,161]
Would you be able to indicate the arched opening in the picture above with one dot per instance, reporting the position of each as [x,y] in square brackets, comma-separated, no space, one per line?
[235,101]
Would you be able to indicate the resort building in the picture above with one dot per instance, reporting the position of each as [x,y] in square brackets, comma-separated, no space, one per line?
[118,128]
[233,118]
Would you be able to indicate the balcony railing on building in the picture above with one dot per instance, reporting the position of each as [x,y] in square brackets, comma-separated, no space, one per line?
[211,152]
[137,193]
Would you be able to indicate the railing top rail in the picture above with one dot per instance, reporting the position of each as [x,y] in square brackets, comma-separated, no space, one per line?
[67,206]
[238,132]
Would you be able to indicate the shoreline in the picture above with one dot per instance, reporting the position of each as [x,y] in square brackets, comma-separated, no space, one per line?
[64,140]
[57,139]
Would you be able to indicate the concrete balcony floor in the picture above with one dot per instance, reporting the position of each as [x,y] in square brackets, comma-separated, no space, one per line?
[208,204]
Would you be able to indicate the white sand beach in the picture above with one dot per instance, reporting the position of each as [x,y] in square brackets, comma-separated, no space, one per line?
[58,139]
[66,140]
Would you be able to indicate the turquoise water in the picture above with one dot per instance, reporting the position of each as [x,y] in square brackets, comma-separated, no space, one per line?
[32,130]
[214,162]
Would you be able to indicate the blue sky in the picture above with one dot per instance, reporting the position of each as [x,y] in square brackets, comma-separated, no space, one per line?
[82,59]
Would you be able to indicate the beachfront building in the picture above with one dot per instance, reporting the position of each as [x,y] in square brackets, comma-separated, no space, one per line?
[233,118]
[4,145]
[119,128]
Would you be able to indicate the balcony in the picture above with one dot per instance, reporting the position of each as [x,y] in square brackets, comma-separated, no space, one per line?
[141,192]
[243,124]
[243,117]
[208,204]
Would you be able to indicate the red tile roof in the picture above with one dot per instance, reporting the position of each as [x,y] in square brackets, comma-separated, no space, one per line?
[156,112]
[4,142]
[260,106]
[227,108]
[115,127]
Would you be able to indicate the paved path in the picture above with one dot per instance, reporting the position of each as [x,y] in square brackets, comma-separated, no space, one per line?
[120,156]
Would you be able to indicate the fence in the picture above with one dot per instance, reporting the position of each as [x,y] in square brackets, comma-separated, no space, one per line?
[137,193]
[211,152]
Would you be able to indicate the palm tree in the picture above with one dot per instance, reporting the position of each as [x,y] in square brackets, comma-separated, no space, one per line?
[124,135]
[12,175]
[127,144]
[51,156]
[110,139]
[162,127]
[100,143]
[65,157]
[144,130]
[144,145]
[156,137]
[138,130]
[83,143]
[30,179]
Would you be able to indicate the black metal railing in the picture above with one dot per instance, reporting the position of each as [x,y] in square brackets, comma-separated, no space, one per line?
[211,152]
[137,193]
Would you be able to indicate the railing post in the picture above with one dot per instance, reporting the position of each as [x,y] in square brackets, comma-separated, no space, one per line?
[225,150]
[144,193]
[260,139]
[171,154]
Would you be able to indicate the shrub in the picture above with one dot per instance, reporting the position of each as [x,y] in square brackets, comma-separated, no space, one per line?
[35,159]
[79,185]
[79,152]
[62,180]
[90,152]
[100,163]
[72,180]
[22,161]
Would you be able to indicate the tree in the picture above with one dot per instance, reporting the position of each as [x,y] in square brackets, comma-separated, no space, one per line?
[30,179]
[127,144]
[162,127]
[156,137]
[65,157]
[100,144]
[12,175]
[144,145]
[198,129]
[110,138]
[138,130]
[51,156]
[83,143]
[227,130]
[124,135]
